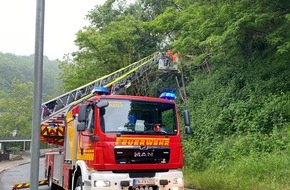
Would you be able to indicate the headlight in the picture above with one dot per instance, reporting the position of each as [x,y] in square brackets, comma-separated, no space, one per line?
[178,181]
[177,188]
[101,183]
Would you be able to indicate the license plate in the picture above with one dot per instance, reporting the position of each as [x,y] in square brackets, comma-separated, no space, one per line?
[144,181]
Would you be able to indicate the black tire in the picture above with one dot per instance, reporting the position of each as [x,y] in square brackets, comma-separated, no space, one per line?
[79,184]
[49,178]
[52,185]
[50,182]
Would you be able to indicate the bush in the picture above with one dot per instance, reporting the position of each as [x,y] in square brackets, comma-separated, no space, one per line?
[15,149]
[241,119]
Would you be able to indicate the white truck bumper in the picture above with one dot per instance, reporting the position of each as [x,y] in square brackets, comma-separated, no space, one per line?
[173,180]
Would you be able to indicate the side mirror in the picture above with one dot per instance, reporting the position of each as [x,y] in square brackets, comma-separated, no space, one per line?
[102,104]
[186,118]
[82,115]
[188,130]
[81,127]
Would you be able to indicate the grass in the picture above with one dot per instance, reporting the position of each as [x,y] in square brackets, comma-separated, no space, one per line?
[257,172]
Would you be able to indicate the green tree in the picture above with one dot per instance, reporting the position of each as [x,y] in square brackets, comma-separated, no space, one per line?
[16,109]
[21,68]
[101,52]
[116,38]
[226,31]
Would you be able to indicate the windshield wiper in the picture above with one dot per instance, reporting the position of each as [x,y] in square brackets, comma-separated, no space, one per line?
[160,132]
[127,132]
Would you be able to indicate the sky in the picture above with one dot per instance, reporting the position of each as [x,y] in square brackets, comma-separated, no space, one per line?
[63,19]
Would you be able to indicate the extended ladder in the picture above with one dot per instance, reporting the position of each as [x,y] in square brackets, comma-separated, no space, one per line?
[54,109]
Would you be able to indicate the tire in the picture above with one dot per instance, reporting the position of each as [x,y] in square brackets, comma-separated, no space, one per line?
[79,184]
[49,178]
[51,185]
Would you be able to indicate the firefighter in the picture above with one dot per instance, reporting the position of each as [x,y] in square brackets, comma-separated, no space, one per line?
[168,58]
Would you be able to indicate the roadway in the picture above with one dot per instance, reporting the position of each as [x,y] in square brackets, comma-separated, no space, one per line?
[20,174]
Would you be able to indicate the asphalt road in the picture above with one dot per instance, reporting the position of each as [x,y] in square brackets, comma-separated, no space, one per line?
[20,174]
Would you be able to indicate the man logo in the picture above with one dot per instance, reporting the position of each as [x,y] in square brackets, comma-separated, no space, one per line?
[143,154]
[143,148]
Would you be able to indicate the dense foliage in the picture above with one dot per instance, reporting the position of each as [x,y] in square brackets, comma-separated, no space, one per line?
[117,37]
[21,68]
[240,99]
[16,91]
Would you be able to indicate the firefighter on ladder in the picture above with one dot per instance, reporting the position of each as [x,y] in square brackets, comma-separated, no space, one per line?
[168,58]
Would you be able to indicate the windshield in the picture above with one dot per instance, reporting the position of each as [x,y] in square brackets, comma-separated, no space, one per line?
[140,117]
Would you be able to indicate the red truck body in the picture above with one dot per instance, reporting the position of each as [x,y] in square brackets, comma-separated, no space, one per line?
[128,142]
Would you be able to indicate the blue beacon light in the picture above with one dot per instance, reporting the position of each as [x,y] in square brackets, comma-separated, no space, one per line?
[168,94]
[100,90]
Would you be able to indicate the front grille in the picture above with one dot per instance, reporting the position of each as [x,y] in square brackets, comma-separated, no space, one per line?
[139,155]
[141,174]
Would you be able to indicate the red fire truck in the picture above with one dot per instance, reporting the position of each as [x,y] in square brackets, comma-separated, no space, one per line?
[119,142]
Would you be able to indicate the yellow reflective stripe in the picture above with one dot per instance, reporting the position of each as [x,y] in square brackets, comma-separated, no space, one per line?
[87,155]
[124,75]
[116,80]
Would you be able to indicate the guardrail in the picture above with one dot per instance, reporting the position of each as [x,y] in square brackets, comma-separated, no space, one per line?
[4,156]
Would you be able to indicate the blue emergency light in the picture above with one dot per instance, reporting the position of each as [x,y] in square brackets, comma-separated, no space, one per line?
[100,90]
[51,125]
[168,94]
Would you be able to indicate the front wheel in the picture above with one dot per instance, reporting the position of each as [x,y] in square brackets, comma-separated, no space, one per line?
[79,183]
[49,178]
[51,184]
